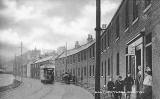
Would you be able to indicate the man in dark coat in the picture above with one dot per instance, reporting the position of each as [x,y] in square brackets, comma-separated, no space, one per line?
[110,86]
[119,87]
[128,83]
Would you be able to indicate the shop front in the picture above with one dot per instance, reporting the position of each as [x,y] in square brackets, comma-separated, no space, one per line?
[135,61]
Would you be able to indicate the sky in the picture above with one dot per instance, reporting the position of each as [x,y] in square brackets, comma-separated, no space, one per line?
[49,24]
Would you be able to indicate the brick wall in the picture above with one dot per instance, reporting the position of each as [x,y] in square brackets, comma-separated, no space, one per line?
[148,21]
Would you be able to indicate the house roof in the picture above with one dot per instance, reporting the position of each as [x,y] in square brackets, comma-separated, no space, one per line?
[76,50]
[45,59]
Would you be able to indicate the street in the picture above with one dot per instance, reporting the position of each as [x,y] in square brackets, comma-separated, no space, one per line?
[34,89]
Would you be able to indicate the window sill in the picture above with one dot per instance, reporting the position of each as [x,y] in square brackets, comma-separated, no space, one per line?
[147,8]
[117,39]
[126,29]
[135,21]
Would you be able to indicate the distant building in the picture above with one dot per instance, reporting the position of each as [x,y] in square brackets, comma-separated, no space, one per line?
[35,66]
[21,63]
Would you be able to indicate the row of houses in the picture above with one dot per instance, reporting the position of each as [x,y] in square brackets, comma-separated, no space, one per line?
[131,39]
[28,65]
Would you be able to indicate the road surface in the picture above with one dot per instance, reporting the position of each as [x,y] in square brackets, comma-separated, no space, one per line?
[33,89]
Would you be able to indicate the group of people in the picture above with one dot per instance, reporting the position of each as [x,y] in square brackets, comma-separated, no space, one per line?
[125,86]
[120,86]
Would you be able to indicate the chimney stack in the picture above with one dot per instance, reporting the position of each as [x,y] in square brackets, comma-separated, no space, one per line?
[77,44]
[90,38]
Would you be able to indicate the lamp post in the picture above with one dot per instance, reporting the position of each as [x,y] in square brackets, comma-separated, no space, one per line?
[98,31]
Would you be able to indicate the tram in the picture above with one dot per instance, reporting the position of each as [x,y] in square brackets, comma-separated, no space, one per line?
[47,73]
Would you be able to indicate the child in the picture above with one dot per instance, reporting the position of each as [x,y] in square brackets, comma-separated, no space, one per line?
[110,86]
[128,83]
[119,87]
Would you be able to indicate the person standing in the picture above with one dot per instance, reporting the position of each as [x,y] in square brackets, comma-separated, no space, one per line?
[147,85]
[119,87]
[139,82]
[128,83]
[110,87]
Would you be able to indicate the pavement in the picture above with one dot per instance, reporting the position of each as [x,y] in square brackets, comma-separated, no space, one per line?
[105,95]
[8,82]
[6,79]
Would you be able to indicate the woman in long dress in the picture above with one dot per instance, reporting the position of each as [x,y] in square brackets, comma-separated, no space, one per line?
[147,85]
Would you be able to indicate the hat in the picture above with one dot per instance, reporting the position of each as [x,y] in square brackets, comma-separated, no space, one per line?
[120,76]
[147,69]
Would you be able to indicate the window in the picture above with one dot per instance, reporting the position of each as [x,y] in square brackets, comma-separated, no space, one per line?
[63,61]
[105,71]
[90,52]
[108,66]
[149,50]
[93,70]
[148,38]
[90,70]
[67,60]
[102,44]
[135,9]
[102,69]
[126,60]
[85,71]
[117,63]
[71,59]
[108,41]
[93,50]
[81,73]
[147,2]
[84,55]
[78,71]
[74,71]
[105,41]
[149,56]
[78,57]
[117,27]
[127,16]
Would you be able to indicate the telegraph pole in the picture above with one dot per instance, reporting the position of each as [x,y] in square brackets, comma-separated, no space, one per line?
[98,31]
[21,61]
[66,57]
[15,67]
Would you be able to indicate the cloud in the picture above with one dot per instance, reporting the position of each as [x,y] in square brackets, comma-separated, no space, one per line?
[5,22]
[50,23]
[2,5]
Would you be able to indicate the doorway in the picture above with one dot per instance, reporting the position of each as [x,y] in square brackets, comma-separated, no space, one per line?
[134,62]
[134,58]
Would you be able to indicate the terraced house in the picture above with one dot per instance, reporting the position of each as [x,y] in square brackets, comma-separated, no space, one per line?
[131,39]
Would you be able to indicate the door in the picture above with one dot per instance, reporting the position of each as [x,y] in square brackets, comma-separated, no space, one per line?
[139,60]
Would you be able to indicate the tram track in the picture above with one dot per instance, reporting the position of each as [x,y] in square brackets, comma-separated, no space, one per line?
[46,94]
